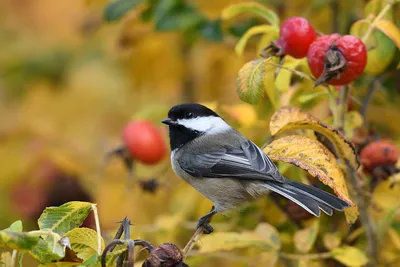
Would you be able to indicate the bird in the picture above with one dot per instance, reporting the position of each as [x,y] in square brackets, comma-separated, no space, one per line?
[229,169]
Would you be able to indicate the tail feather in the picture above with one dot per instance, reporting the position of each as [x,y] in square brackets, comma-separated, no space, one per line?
[310,198]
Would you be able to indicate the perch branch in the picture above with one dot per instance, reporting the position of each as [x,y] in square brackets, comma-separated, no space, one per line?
[192,242]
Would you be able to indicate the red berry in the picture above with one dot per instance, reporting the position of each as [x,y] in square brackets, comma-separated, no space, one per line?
[378,153]
[337,60]
[295,37]
[144,142]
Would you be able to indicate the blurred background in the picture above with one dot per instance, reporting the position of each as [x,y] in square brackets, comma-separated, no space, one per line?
[70,82]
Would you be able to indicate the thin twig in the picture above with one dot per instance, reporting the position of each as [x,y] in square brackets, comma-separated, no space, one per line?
[298,73]
[192,242]
[97,222]
[313,256]
[367,99]
[365,218]
[14,257]
[377,18]
[342,107]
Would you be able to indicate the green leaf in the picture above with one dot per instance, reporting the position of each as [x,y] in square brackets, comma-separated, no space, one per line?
[252,80]
[350,256]
[16,240]
[84,242]
[181,19]
[261,29]
[49,250]
[253,8]
[304,239]
[15,227]
[390,30]
[118,8]
[64,218]
[211,30]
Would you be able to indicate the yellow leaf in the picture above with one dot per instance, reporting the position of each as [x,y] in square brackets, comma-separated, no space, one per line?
[331,240]
[390,30]
[225,241]
[313,157]
[269,259]
[61,264]
[394,237]
[84,242]
[304,239]
[350,256]
[251,7]
[351,214]
[284,76]
[290,118]
[245,114]
[260,29]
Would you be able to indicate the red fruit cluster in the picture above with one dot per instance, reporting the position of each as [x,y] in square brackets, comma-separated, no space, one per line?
[337,60]
[333,59]
[296,35]
[378,153]
[144,142]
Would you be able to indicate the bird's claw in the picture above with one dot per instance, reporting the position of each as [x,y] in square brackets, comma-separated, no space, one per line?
[204,223]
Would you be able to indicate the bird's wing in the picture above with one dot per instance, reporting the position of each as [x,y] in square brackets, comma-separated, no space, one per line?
[244,162]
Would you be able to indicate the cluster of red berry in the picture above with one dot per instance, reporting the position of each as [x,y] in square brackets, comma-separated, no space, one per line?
[333,59]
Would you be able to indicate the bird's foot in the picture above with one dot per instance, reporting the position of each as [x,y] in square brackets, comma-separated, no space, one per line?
[204,222]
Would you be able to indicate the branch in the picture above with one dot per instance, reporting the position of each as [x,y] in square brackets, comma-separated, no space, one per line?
[383,12]
[97,221]
[192,242]
[367,99]
[363,203]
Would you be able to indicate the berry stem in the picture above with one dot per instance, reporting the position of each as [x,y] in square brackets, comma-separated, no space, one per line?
[377,18]
[342,107]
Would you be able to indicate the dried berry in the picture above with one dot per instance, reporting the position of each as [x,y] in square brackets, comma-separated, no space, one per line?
[378,153]
[337,60]
[165,255]
[144,142]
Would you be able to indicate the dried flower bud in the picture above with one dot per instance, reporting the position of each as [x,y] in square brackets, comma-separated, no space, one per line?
[165,255]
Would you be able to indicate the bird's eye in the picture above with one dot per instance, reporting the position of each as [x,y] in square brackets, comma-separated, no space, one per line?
[189,115]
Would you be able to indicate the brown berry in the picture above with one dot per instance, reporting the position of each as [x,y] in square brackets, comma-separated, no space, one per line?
[165,255]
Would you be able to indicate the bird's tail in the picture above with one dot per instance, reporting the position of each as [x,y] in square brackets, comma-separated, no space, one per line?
[308,197]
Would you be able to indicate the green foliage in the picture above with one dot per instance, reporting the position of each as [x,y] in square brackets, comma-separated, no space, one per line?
[64,218]
[118,8]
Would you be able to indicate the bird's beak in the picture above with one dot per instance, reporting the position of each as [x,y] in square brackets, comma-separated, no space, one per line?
[168,121]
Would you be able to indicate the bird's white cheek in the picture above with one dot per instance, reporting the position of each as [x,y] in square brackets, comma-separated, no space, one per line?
[211,125]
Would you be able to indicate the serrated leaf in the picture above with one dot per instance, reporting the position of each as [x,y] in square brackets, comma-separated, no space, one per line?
[15,227]
[261,29]
[252,81]
[65,217]
[312,156]
[225,241]
[390,30]
[84,242]
[290,118]
[18,240]
[304,239]
[118,8]
[48,250]
[350,256]
[252,8]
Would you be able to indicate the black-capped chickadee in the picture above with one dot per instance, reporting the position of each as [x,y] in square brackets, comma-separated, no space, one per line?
[229,169]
